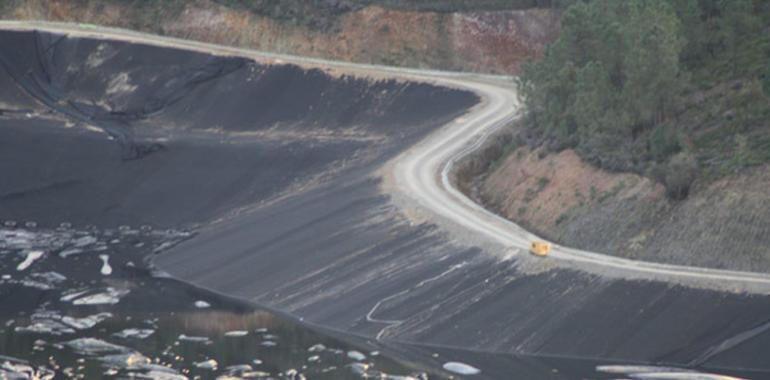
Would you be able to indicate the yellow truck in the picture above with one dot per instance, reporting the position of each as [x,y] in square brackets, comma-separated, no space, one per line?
[540,248]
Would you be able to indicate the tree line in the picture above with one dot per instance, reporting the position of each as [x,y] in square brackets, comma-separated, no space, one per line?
[613,84]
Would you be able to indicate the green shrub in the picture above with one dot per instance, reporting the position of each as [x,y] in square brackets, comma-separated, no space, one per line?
[663,142]
[680,172]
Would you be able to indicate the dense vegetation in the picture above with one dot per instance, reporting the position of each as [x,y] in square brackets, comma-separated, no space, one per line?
[672,89]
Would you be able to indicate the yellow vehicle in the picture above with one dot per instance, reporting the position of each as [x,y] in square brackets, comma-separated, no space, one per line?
[540,248]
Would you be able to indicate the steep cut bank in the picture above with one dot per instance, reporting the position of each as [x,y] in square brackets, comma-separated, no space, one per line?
[475,37]
[723,224]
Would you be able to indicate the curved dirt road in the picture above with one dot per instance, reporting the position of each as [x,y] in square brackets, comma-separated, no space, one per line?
[423,174]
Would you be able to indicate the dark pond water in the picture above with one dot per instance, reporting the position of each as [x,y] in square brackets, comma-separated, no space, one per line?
[84,303]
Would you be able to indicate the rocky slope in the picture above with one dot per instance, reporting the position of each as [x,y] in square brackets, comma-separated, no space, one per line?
[722,224]
[494,41]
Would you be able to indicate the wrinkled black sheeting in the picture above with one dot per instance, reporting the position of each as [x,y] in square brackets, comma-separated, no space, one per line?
[37,66]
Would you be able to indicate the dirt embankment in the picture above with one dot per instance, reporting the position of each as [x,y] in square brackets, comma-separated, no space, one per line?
[485,41]
[722,224]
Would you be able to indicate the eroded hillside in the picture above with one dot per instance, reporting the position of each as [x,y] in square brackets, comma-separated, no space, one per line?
[494,39]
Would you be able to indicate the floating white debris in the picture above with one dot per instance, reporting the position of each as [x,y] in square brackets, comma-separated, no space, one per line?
[93,346]
[69,252]
[45,326]
[111,372]
[317,348]
[314,358]
[242,371]
[32,256]
[72,295]
[13,369]
[626,369]
[110,296]
[359,368]
[84,241]
[357,356]
[162,375]
[269,343]
[50,278]
[106,268]
[679,375]
[131,360]
[461,368]
[238,368]
[49,322]
[86,322]
[397,377]
[644,372]
[194,339]
[36,284]
[293,374]
[202,304]
[250,375]
[134,333]
[207,364]
[236,333]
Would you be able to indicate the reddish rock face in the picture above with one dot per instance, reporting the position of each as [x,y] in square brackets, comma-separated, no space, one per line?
[490,42]
[500,41]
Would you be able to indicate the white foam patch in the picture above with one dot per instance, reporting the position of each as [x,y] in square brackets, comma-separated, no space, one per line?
[202,304]
[461,368]
[32,256]
[106,268]
[355,355]
[236,333]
